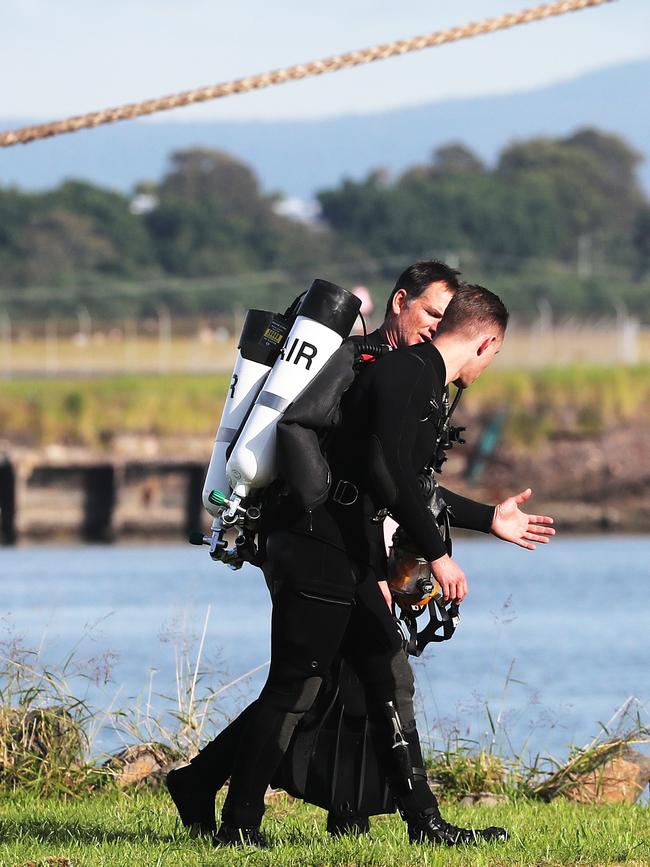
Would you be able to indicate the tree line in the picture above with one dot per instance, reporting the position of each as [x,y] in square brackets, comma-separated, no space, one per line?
[564,218]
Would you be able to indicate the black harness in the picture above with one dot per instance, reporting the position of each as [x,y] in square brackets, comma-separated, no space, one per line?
[443,620]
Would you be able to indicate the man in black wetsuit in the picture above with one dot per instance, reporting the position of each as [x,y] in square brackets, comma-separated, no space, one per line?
[324,562]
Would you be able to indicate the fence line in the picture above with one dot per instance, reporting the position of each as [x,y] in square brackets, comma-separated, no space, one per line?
[125,347]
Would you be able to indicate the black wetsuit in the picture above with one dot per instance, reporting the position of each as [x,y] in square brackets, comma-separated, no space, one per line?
[324,568]
[390,418]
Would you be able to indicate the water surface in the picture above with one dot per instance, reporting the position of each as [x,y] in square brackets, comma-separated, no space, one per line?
[551,642]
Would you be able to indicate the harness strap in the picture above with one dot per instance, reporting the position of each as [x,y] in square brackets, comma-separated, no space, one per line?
[440,618]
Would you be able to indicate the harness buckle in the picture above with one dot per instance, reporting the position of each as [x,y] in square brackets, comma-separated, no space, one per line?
[346,493]
[381,516]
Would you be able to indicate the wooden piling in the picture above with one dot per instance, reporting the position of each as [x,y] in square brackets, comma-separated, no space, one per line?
[99,503]
[8,533]
[194,514]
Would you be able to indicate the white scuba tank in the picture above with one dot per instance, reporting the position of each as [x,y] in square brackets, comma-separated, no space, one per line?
[325,317]
[258,348]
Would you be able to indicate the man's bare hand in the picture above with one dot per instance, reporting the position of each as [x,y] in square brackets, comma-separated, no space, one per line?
[513,525]
[450,577]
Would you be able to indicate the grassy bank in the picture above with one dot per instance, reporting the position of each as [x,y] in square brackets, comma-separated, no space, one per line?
[119,830]
[582,400]
[61,805]
[92,411]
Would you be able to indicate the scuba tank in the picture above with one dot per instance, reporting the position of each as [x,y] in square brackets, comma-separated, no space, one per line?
[259,346]
[271,370]
[256,355]
[324,318]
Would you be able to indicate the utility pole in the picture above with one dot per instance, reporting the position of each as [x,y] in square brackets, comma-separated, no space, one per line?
[164,338]
[627,330]
[5,338]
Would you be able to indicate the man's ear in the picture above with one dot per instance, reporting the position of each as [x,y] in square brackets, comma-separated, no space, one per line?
[483,345]
[400,300]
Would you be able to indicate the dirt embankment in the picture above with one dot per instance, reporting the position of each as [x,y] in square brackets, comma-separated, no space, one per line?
[587,482]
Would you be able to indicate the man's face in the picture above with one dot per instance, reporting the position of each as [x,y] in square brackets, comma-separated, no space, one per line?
[485,351]
[416,320]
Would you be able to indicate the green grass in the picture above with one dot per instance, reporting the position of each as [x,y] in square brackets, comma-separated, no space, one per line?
[142,829]
[91,411]
[57,803]
[579,399]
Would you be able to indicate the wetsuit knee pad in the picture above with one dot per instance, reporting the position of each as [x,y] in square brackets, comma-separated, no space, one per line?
[291,695]
[389,677]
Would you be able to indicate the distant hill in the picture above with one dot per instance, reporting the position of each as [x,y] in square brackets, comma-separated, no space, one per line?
[300,157]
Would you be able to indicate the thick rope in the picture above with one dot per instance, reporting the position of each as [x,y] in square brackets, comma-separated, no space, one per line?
[294,73]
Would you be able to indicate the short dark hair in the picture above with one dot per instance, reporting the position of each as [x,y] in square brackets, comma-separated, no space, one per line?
[473,309]
[415,279]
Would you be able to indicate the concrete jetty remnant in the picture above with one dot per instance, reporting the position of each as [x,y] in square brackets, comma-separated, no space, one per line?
[97,499]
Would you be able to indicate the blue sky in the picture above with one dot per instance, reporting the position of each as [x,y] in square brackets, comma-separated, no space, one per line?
[73,56]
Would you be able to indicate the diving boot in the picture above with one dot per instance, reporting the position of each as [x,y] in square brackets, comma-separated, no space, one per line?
[231,835]
[430,827]
[194,800]
[340,826]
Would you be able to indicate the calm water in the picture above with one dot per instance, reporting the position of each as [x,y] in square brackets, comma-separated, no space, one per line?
[565,626]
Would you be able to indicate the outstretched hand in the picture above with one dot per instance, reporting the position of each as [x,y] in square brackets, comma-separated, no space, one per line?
[513,525]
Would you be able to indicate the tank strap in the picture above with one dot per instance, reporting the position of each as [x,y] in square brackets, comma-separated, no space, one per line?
[272,401]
